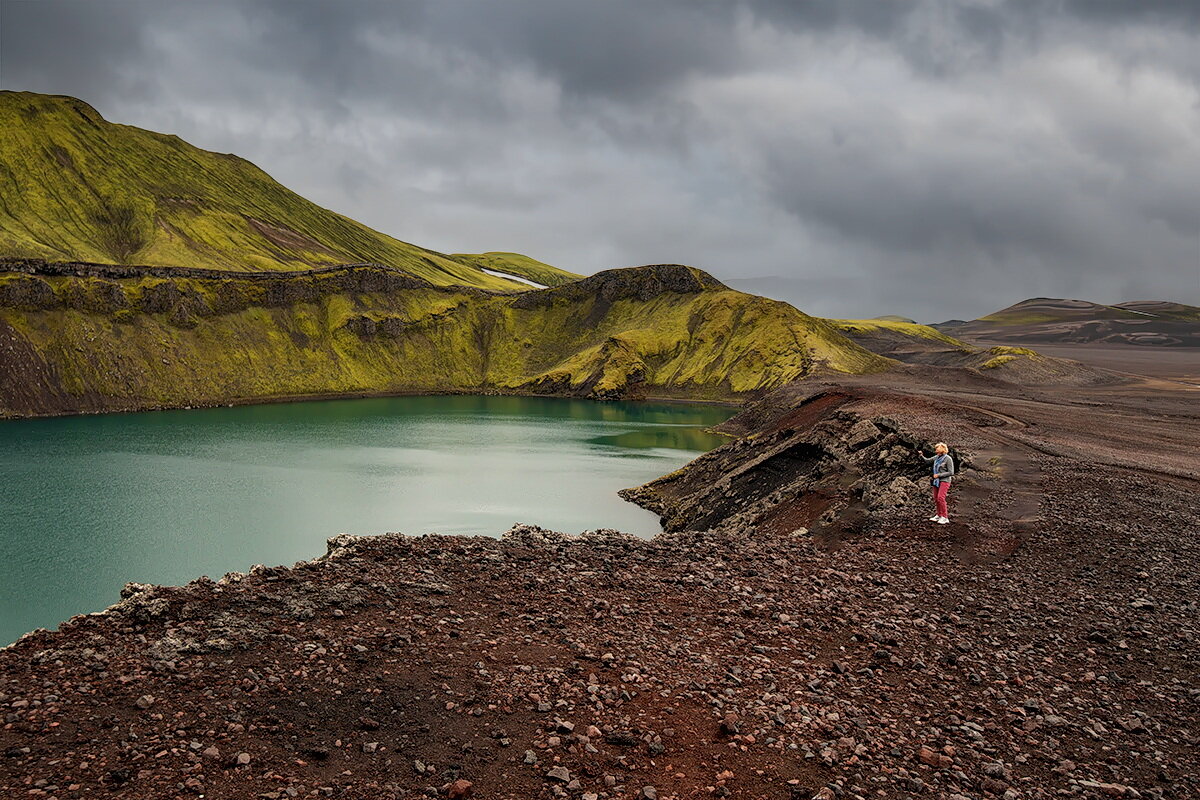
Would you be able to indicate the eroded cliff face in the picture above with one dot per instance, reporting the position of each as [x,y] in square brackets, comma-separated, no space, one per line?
[85,338]
[810,461]
[836,461]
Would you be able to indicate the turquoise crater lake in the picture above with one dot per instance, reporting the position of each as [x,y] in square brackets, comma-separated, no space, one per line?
[90,503]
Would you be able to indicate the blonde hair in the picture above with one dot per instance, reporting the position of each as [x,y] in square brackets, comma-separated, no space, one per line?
[941,447]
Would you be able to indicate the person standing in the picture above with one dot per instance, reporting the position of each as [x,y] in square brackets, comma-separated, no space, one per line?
[943,472]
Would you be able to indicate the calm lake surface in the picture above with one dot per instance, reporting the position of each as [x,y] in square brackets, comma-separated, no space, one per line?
[90,503]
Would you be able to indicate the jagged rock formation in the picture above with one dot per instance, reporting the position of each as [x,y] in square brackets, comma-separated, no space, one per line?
[837,460]
[814,457]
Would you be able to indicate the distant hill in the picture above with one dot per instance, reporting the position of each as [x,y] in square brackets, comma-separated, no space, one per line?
[76,187]
[913,343]
[1056,321]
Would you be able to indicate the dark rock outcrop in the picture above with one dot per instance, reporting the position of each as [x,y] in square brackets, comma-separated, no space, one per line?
[639,283]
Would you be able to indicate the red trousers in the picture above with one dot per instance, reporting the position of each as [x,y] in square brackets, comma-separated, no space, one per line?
[939,498]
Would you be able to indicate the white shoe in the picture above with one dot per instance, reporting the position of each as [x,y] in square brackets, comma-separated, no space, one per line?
[934,518]
[942,520]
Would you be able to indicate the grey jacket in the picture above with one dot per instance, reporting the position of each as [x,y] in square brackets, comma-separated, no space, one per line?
[947,470]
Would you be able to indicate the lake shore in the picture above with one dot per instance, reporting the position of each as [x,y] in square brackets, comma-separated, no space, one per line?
[321,396]
[94,502]
[844,648]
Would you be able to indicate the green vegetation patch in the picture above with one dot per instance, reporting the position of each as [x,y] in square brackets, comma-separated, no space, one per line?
[911,329]
[1004,350]
[998,361]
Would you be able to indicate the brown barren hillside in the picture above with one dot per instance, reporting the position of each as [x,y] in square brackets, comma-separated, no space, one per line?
[1044,320]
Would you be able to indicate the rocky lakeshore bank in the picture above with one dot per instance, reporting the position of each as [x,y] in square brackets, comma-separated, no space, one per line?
[800,631]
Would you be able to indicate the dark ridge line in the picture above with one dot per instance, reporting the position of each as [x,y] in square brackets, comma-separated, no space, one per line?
[37,266]
[677,277]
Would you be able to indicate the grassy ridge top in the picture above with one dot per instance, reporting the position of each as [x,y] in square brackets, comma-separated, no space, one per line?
[895,325]
[520,265]
[74,186]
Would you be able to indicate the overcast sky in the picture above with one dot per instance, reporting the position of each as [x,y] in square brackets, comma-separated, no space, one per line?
[932,159]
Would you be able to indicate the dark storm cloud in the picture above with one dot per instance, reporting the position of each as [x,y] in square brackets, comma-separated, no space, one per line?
[933,159]
[78,44]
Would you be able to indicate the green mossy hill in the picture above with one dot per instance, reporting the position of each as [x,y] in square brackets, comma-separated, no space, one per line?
[75,187]
[521,266]
[1005,350]
[896,328]
[85,343]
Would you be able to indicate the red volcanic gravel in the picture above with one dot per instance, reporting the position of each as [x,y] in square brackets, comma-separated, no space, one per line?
[1053,653]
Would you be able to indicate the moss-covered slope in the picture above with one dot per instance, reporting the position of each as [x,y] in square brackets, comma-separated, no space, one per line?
[897,330]
[75,187]
[93,342]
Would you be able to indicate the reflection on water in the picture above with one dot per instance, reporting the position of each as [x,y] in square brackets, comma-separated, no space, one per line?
[89,503]
[679,438]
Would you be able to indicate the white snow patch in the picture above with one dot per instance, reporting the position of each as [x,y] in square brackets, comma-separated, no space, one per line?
[516,278]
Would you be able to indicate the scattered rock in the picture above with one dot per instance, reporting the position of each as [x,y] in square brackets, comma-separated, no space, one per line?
[460,790]
[928,755]
[561,774]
